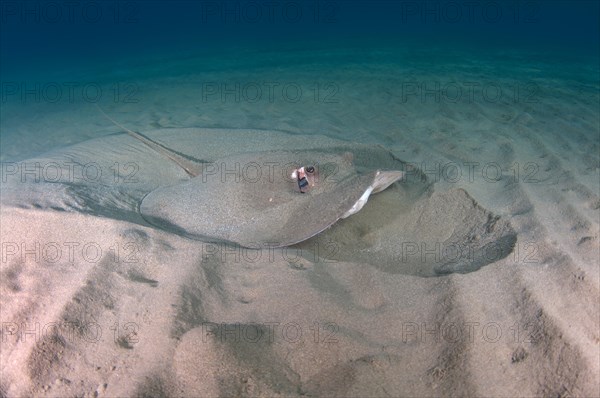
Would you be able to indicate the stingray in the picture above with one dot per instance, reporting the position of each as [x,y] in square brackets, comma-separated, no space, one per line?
[265,207]
[256,203]
[235,186]
[252,199]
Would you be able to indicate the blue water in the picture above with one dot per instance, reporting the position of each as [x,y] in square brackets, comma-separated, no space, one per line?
[61,56]
[42,35]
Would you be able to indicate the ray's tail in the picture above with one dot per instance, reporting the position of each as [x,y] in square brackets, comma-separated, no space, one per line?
[191,166]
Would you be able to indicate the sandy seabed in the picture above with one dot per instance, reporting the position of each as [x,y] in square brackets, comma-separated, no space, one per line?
[97,306]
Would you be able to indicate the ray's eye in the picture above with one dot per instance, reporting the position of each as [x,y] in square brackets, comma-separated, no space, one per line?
[310,169]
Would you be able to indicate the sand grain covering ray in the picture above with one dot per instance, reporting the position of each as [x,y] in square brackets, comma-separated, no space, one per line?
[246,198]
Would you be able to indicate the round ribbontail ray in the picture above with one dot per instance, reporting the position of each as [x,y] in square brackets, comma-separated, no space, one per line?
[252,200]
[237,187]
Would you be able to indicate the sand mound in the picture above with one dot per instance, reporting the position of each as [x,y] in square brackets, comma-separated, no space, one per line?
[433,235]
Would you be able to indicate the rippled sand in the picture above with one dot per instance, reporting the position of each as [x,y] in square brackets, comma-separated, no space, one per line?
[94,306]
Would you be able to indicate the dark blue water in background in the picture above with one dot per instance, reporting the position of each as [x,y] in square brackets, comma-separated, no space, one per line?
[59,58]
[40,36]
